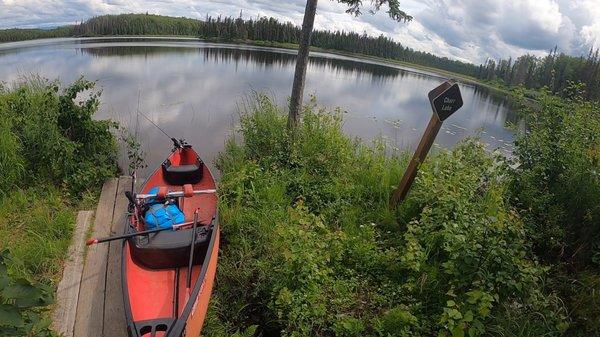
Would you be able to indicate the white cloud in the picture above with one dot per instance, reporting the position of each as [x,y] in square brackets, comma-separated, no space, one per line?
[591,34]
[468,30]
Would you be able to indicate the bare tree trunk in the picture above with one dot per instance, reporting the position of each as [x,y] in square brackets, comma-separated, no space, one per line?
[301,63]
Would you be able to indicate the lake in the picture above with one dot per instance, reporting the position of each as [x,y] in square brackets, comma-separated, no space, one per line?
[193,90]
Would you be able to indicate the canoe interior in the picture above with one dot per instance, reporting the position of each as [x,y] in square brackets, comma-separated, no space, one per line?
[160,294]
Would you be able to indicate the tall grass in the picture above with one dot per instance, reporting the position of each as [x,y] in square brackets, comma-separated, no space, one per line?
[37,224]
[12,163]
[312,249]
[52,155]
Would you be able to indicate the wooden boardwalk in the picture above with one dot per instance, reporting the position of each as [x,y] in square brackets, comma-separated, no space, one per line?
[89,301]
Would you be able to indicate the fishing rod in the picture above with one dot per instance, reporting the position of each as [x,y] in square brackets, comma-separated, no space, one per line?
[178,143]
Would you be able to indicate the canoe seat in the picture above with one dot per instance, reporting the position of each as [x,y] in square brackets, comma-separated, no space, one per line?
[182,174]
[170,249]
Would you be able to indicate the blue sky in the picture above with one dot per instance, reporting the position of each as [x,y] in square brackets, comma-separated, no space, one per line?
[468,30]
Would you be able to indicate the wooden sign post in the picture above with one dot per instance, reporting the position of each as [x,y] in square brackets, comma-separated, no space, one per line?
[445,100]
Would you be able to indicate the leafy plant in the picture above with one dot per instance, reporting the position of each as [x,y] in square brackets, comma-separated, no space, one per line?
[52,154]
[556,186]
[53,137]
[18,300]
[135,153]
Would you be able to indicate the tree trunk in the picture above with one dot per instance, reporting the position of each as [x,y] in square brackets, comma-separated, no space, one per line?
[301,63]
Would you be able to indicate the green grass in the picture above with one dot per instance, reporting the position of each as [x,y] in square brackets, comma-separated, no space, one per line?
[37,224]
[54,157]
[312,250]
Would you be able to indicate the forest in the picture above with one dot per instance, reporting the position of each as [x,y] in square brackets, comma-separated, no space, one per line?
[265,29]
[16,34]
[556,71]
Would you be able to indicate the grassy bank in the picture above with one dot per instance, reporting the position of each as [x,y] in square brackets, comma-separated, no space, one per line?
[54,157]
[312,250]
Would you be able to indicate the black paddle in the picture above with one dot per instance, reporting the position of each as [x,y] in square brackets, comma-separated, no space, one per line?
[188,281]
[94,241]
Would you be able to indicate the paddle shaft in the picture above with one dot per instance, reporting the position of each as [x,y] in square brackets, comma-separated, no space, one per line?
[93,241]
[188,281]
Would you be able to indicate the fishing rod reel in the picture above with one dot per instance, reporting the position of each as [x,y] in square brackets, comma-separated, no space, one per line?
[130,195]
[180,143]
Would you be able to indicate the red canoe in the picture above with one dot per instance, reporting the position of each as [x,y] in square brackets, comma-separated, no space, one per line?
[155,266]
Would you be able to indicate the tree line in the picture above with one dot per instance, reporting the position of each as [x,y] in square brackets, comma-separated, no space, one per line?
[556,71]
[265,29]
[16,34]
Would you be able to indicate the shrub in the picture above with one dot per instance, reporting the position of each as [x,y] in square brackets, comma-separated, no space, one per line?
[312,249]
[53,137]
[556,186]
[52,151]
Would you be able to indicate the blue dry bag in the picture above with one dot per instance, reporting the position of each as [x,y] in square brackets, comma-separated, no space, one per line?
[161,215]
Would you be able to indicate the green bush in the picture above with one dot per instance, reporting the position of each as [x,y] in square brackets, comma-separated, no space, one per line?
[312,249]
[52,136]
[556,186]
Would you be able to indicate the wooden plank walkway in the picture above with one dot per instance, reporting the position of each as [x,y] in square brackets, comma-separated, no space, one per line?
[63,318]
[89,301]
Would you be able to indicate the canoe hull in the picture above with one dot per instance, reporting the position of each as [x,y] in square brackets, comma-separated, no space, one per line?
[157,301]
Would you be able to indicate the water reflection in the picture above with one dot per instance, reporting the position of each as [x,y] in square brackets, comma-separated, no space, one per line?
[263,58]
[192,90]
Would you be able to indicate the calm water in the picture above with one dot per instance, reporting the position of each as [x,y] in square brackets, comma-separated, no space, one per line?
[192,90]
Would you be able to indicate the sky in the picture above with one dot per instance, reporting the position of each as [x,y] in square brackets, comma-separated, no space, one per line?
[466,30]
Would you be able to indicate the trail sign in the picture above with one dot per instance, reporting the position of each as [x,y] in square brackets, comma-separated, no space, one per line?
[445,99]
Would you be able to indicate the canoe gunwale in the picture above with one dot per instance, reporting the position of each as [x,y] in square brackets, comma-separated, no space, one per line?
[180,323]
